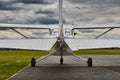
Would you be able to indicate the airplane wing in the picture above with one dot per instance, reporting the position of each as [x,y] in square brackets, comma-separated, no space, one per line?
[27,26]
[31,44]
[96,43]
[76,44]
[96,26]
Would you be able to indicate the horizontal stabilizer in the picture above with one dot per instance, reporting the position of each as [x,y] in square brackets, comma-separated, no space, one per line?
[76,44]
[31,44]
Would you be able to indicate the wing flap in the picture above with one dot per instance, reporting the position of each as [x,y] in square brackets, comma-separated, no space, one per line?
[31,44]
[76,44]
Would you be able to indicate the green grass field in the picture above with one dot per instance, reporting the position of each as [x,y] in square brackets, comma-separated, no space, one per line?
[13,61]
[98,52]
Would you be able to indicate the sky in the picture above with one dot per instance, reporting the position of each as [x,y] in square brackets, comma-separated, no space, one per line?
[46,12]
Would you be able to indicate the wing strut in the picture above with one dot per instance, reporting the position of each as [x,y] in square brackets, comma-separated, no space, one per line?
[20,33]
[104,33]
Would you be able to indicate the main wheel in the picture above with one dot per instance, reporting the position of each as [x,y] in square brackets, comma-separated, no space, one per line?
[33,61]
[61,60]
[90,62]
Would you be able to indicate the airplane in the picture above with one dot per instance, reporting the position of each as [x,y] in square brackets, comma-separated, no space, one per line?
[61,44]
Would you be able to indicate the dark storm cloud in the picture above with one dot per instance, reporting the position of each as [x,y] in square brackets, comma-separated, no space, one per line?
[27,1]
[33,1]
[46,20]
[97,2]
[8,6]
[4,29]
[86,11]
[44,12]
[86,19]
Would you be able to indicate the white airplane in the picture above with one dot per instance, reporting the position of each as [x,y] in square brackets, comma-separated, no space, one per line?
[62,44]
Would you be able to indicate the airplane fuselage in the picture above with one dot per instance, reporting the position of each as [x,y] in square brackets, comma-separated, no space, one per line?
[60,39]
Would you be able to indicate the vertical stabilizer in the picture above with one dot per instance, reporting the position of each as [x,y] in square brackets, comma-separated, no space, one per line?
[60,16]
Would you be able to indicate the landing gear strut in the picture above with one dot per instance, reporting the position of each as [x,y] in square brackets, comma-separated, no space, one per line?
[33,61]
[89,62]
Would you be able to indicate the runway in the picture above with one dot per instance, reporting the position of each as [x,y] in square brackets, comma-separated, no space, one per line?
[105,67]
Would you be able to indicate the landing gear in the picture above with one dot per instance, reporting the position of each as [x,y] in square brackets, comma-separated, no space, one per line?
[61,60]
[89,62]
[33,61]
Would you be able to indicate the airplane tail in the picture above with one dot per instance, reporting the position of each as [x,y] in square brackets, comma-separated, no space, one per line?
[60,17]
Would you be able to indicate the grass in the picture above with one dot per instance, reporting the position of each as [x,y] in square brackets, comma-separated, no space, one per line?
[12,61]
[98,52]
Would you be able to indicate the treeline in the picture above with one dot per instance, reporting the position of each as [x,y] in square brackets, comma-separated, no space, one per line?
[9,49]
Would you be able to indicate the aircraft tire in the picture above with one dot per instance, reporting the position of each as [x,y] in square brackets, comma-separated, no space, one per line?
[33,61]
[61,60]
[90,62]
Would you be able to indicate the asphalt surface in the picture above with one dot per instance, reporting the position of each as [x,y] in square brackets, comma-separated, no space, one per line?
[105,67]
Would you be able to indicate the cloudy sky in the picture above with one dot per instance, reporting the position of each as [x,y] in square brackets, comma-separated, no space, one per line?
[46,11]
